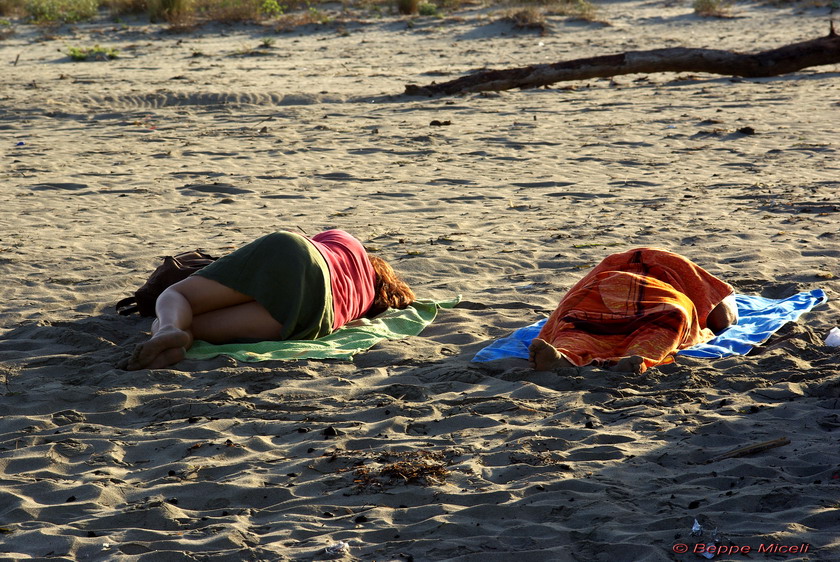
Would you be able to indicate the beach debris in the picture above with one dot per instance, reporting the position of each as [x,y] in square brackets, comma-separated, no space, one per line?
[436,123]
[696,529]
[710,547]
[414,467]
[783,60]
[416,471]
[751,449]
[833,337]
[337,549]
[332,432]
[746,131]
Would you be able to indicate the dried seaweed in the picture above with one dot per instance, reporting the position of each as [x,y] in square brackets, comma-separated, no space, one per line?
[424,468]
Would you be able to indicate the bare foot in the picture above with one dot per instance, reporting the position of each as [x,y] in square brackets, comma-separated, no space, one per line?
[632,364]
[543,356]
[165,348]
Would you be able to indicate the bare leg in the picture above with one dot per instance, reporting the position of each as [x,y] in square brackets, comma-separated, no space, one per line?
[249,320]
[544,357]
[216,311]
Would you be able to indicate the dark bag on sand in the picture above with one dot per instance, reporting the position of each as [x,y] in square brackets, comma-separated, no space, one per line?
[173,269]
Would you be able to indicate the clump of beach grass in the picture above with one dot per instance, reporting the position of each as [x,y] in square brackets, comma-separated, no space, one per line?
[176,12]
[712,8]
[233,11]
[272,8]
[230,11]
[125,7]
[429,9]
[61,11]
[530,17]
[532,14]
[311,16]
[580,9]
[12,8]
[186,14]
[95,53]
[6,29]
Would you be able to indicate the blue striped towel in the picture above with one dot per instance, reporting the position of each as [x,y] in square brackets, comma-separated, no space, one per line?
[758,319]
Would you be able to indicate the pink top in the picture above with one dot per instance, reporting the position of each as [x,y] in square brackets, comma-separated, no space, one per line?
[352,277]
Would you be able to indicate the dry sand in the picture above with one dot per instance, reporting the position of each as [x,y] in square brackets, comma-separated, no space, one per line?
[411,452]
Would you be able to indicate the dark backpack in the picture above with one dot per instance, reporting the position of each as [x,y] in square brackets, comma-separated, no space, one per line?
[173,269]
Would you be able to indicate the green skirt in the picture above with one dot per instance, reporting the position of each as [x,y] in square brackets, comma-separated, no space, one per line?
[286,274]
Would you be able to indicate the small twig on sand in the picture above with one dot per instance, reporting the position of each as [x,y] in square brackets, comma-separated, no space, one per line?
[751,449]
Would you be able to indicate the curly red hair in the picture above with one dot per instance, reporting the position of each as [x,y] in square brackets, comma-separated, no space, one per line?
[389,290]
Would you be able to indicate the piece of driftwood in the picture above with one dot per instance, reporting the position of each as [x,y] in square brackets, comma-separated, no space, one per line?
[751,449]
[790,58]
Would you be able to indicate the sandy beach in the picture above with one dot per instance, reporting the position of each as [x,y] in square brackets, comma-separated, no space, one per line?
[212,137]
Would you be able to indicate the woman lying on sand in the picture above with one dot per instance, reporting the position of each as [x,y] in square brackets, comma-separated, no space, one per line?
[281,286]
[634,311]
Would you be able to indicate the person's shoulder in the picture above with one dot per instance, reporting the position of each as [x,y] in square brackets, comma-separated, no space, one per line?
[340,240]
[332,233]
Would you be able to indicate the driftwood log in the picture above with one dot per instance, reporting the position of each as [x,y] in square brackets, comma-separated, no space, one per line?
[790,58]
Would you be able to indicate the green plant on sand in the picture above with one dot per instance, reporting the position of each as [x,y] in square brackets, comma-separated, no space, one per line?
[712,8]
[531,14]
[119,8]
[6,29]
[185,14]
[94,53]
[529,18]
[13,8]
[61,11]
[581,9]
[272,8]
[428,9]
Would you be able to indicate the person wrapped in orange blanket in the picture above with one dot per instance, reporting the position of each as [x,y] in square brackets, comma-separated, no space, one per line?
[633,311]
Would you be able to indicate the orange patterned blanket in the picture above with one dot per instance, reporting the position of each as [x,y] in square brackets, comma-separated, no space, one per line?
[644,302]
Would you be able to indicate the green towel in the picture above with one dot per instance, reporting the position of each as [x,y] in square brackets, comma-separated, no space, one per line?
[358,335]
